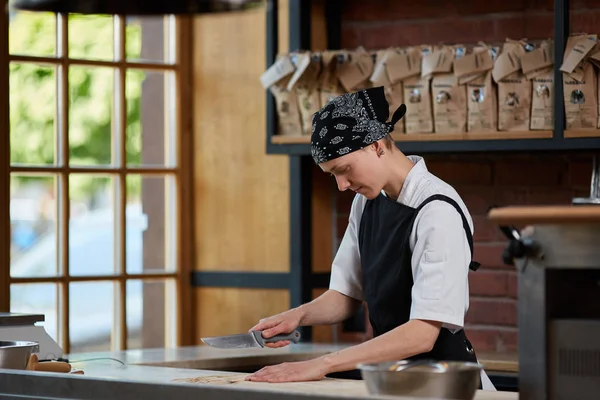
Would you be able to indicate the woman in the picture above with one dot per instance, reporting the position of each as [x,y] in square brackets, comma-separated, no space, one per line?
[406,251]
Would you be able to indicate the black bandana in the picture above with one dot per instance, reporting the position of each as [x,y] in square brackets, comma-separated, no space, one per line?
[350,122]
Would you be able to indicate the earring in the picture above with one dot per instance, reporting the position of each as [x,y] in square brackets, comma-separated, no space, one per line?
[381,152]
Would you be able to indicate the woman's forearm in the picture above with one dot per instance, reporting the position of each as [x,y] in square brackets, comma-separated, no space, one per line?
[414,337]
[331,307]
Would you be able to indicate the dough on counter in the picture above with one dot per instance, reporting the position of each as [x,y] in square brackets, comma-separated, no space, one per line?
[219,380]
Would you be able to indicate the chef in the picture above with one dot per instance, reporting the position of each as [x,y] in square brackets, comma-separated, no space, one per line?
[406,252]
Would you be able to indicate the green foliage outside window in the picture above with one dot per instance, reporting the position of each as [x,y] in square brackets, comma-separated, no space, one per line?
[33,96]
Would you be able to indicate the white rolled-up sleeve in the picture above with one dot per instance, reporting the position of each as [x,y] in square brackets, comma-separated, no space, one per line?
[440,263]
[346,271]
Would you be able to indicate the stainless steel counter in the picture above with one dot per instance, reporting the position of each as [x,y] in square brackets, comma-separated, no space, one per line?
[152,374]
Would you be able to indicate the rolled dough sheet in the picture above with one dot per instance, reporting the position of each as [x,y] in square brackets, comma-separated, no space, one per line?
[215,380]
[325,385]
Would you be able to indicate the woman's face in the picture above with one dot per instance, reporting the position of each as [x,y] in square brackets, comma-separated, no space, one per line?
[360,171]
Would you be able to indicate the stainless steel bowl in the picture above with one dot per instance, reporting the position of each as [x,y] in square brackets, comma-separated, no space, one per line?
[15,354]
[423,378]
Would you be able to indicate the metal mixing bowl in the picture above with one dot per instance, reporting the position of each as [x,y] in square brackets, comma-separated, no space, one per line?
[15,355]
[423,378]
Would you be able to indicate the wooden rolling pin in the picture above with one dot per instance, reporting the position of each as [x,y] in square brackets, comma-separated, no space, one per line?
[47,366]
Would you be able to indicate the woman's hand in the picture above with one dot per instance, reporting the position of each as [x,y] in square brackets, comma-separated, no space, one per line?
[302,371]
[282,323]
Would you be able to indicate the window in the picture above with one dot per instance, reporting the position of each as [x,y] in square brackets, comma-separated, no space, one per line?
[96,177]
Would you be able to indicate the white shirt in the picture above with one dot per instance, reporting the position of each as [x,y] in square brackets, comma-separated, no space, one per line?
[440,251]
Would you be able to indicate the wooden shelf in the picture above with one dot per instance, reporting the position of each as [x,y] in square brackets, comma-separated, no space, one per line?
[582,133]
[278,139]
[427,137]
[424,143]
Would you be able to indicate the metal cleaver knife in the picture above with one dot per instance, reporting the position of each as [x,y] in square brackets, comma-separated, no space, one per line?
[248,340]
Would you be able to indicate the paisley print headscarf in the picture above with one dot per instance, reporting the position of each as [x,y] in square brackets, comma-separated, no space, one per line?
[350,122]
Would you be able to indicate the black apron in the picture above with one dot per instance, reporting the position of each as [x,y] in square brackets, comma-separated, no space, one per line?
[385,254]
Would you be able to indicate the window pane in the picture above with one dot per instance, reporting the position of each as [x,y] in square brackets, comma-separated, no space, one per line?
[33,225]
[32,113]
[150,118]
[91,37]
[150,304]
[149,38]
[90,115]
[150,226]
[32,33]
[91,225]
[91,316]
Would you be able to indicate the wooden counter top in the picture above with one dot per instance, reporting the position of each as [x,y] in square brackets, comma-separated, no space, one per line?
[124,383]
[184,373]
[545,214]
[329,386]
[209,358]
[499,362]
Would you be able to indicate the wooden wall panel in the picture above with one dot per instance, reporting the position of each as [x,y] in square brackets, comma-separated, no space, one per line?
[283,7]
[318,34]
[241,193]
[232,310]
[322,221]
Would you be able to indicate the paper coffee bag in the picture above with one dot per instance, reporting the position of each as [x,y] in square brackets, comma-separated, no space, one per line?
[276,79]
[417,95]
[542,101]
[288,114]
[514,89]
[304,84]
[580,83]
[393,91]
[328,83]
[403,64]
[375,56]
[475,63]
[355,71]
[537,65]
[394,94]
[482,101]
[449,98]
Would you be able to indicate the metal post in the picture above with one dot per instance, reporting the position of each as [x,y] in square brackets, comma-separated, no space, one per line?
[333,16]
[300,183]
[561,33]
[271,53]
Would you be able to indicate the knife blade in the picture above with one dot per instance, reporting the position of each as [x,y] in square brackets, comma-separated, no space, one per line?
[248,340]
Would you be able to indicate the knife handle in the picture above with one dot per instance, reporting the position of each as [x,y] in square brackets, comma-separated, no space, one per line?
[293,337]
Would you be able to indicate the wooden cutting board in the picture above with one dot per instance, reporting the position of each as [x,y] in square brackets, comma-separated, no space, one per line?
[341,387]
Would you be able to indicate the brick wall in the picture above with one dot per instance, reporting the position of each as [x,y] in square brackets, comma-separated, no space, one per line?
[482,180]
[382,23]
